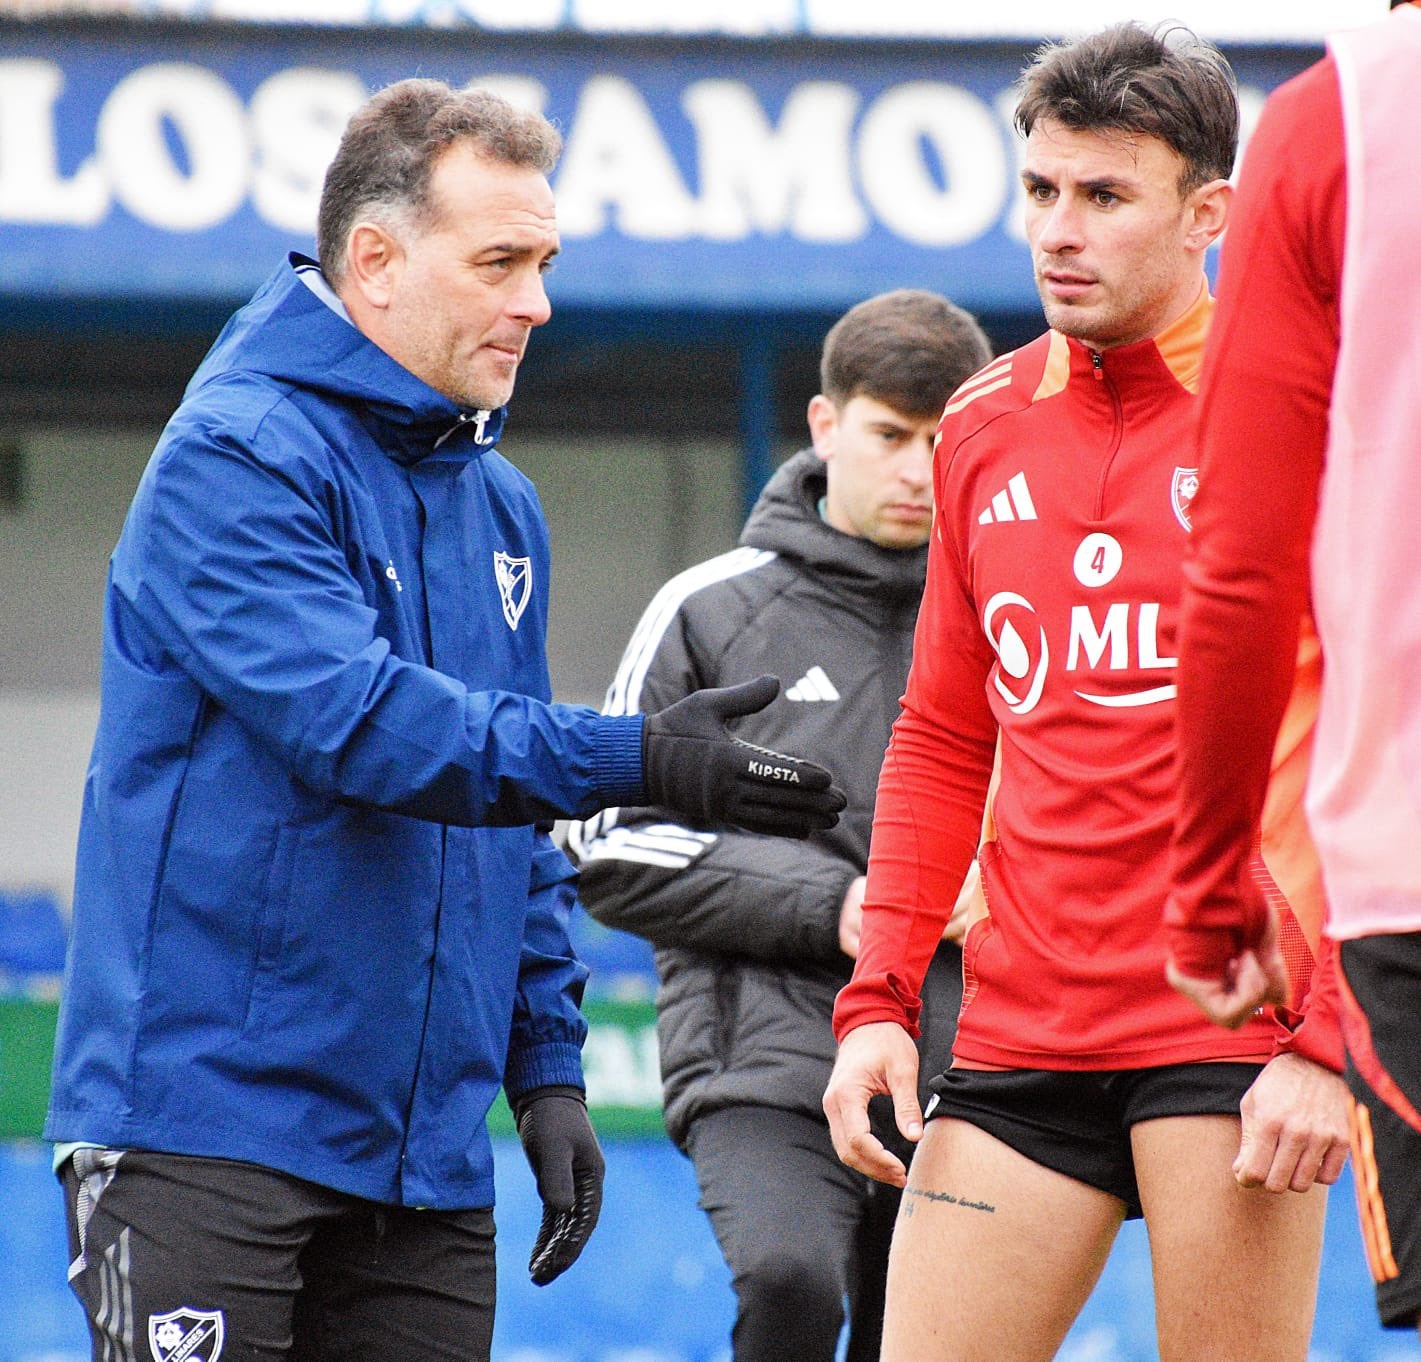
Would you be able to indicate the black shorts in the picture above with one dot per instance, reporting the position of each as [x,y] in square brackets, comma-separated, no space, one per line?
[1077,1122]
[1381,986]
[181,1259]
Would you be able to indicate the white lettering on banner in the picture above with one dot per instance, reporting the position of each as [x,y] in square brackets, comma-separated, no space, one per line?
[758,179]
[297,119]
[963,131]
[176,146]
[209,122]
[615,160]
[31,187]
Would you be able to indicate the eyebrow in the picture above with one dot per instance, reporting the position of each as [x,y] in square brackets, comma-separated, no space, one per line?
[1113,183]
[508,248]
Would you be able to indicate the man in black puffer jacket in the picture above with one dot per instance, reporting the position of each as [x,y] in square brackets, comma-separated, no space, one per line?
[755,935]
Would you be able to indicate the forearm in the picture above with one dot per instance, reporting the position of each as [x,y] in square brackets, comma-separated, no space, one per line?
[728,893]
[927,823]
[548,1029]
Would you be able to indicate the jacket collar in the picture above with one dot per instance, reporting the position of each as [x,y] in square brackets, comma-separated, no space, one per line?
[786,520]
[1179,348]
[290,333]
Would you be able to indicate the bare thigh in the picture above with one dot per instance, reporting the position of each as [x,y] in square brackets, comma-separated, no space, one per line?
[993,1255]
[1235,1269]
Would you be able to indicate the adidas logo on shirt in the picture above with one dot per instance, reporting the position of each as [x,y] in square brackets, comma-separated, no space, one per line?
[813,685]
[1013,502]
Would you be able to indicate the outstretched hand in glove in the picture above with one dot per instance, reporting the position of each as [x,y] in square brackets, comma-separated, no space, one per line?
[694,765]
[567,1164]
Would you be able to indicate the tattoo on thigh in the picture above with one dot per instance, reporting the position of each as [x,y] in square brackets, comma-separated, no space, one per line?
[911,1195]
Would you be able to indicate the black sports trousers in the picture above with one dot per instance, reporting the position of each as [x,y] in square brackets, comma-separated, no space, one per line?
[179,1259]
[799,1231]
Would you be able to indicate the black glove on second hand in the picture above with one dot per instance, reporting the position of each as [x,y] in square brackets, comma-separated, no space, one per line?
[567,1164]
[694,765]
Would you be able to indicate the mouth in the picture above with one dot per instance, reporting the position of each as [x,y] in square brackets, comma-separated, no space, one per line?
[1066,284]
[510,352]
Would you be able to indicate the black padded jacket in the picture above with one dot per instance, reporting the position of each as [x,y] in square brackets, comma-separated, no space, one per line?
[745,927]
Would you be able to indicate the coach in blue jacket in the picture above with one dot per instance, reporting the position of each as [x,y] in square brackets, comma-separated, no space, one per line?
[318,918]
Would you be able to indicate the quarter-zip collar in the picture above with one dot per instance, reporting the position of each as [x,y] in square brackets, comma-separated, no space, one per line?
[1179,347]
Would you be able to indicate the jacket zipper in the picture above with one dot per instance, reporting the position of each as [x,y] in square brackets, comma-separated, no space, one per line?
[477,419]
[1097,364]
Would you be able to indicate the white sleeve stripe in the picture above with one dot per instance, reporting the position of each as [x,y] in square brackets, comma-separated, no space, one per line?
[687,844]
[580,835]
[624,694]
[601,851]
[664,837]
[663,844]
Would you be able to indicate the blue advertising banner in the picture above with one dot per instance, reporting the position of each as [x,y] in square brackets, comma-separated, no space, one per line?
[149,162]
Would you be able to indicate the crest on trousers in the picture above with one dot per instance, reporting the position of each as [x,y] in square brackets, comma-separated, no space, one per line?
[1183,488]
[186,1335]
[515,585]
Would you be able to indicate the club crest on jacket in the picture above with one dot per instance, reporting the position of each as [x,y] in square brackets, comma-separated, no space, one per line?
[515,585]
[1183,488]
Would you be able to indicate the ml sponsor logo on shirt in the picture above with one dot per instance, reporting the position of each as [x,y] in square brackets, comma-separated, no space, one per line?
[1117,637]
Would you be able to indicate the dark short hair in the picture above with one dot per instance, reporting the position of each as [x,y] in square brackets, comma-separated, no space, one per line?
[1163,82]
[390,146]
[909,349]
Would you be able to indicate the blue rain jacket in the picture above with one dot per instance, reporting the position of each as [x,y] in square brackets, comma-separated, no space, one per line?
[317,920]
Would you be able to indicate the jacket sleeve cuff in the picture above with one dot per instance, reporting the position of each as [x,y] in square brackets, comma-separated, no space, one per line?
[1202,952]
[1316,1032]
[553,1064]
[616,755]
[876,998]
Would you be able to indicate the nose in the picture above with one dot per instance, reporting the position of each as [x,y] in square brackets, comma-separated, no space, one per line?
[529,302]
[916,468]
[1059,227]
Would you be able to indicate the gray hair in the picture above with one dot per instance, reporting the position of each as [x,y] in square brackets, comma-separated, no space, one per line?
[388,151]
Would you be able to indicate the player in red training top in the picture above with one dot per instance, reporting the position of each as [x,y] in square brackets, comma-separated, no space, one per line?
[1083,1089]
[1310,446]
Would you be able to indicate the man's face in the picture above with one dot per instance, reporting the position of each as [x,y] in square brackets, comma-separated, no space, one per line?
[880,469]
[467,291]
[1117,251]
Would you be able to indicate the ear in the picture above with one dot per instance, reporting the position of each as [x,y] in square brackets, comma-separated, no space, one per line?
[1208,214]
[823,425]
[374,259]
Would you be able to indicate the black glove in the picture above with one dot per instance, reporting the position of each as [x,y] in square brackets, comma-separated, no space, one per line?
[693,764]
[567,1163]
